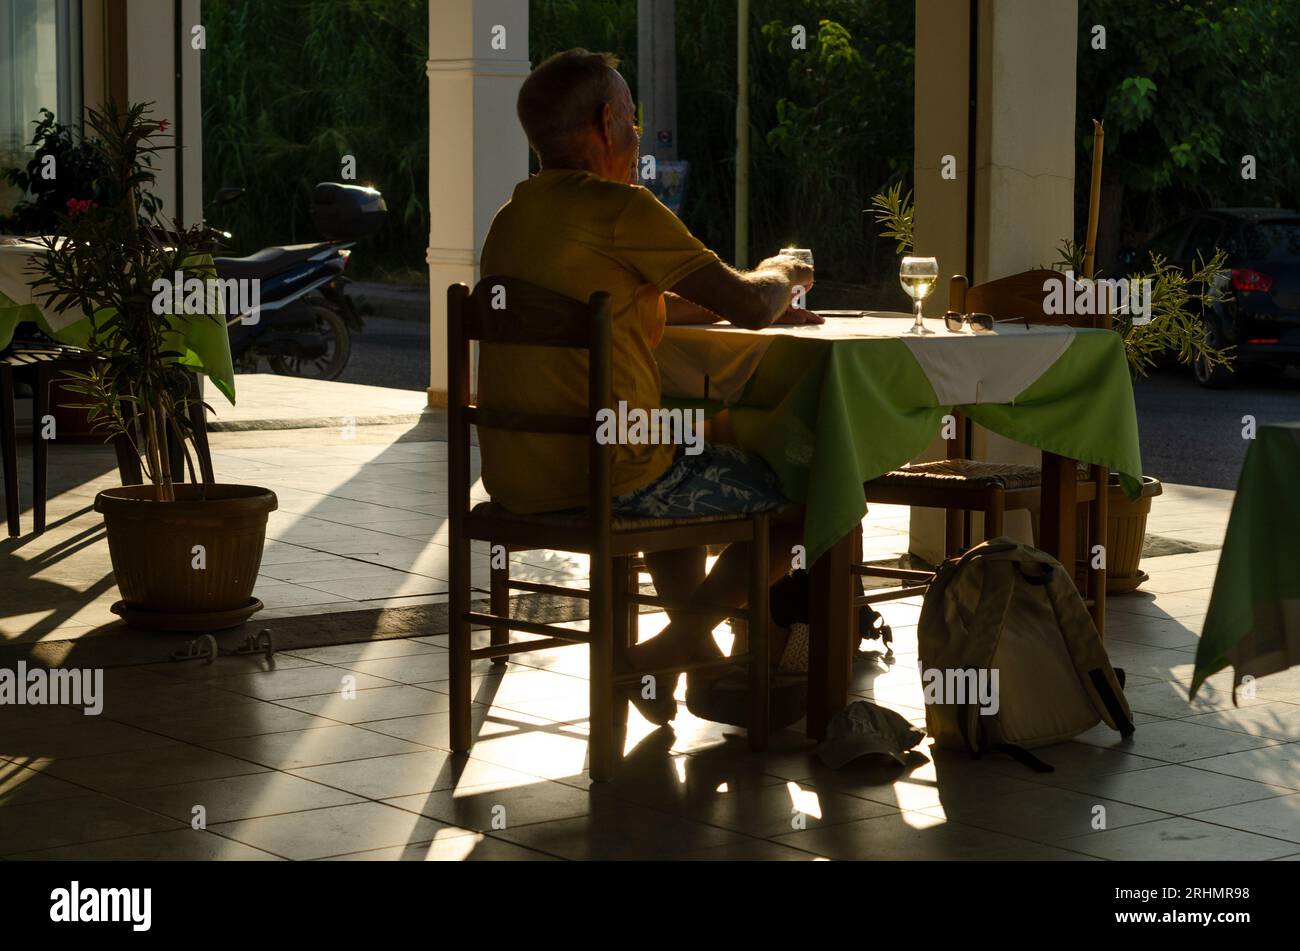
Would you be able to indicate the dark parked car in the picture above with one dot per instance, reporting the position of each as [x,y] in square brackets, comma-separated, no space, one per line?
[1260,312]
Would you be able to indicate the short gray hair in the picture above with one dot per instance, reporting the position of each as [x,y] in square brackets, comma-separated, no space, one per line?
[565,94]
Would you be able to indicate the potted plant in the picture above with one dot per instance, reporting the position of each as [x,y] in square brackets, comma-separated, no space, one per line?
[185,556]
[1177,301]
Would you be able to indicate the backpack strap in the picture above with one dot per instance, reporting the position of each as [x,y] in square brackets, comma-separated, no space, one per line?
[1111,700]
[983,735]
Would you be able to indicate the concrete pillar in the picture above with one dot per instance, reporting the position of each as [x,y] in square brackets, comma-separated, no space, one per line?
[1023,166]
[478,58]
[657,77]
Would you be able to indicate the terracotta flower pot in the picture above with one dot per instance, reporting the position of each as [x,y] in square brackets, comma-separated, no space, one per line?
[189,564]
[1125,533]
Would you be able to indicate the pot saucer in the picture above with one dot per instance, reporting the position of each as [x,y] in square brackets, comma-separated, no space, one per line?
[1125,585]
[186,621]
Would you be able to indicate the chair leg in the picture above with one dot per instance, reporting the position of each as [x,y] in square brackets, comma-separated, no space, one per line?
[40,448]
[993,516]
[199,424]
[9,447]
[600,748]
[499,604]
[625,632]
[760,638]
[952,532]
[458,643]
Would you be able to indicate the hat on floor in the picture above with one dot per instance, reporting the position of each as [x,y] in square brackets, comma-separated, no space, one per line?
[863,727]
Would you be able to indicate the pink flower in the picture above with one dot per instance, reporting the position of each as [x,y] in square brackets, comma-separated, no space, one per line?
[77,206]
[162,125]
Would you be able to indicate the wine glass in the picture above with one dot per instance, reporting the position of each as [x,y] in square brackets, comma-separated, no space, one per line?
[918,277]
[802,255]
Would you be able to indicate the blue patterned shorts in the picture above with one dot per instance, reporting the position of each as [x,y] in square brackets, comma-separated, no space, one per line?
[720,480]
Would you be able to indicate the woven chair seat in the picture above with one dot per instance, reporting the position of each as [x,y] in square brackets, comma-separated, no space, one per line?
[970,473]
[576,519]
[22,355]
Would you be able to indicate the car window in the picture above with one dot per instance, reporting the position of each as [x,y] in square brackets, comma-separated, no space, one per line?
[1270,240]
[1202,241]
[1169,241]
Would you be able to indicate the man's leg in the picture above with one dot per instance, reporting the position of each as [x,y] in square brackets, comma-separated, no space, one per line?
[690,637]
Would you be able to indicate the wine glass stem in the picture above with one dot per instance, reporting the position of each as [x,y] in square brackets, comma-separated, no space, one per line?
[918,325]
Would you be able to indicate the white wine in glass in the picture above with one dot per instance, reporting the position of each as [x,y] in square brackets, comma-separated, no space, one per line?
[918,277]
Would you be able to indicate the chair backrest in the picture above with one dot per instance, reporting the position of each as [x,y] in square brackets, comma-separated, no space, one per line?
[1018,295]
[507,311]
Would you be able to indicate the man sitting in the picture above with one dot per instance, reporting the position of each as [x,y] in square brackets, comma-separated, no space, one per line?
[580,226]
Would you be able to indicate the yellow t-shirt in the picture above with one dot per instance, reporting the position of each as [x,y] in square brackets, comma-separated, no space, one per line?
[574,233]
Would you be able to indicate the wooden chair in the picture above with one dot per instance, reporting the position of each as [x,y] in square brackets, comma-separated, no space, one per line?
[538,318]
[959,484]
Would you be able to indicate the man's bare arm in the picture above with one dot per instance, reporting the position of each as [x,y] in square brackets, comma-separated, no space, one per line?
[750,299]
[682,311]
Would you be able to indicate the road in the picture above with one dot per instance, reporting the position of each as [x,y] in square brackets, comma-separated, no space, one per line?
[1190,435]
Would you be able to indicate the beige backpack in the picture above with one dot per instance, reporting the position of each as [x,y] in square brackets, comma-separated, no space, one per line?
[1010,658]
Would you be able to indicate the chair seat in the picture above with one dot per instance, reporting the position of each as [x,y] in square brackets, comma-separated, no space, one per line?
[574,519]
[968,473]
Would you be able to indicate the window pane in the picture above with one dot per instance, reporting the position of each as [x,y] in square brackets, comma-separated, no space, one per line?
[29,68]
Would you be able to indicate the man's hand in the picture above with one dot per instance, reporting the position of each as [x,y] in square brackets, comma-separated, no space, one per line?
[798,317]
[797,273]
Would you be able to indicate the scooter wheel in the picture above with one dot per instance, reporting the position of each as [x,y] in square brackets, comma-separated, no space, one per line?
[330,365]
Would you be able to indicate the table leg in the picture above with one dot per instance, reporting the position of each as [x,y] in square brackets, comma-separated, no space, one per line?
[831,642]
[1060,510]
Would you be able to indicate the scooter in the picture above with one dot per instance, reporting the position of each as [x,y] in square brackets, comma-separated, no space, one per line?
[298,315]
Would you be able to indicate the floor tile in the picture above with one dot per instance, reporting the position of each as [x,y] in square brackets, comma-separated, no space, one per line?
[177,845]
[1177,789]
[177,763]
[907,835]
[1278,721]
[1046,814]
[414,773]
[382,703]
[301,682]
[52,823]
[1278,817]
[1179,839]
[94,735]
[495,807]
[457,848]
[1176,741]
[619,831]
[301,748]
[319,833]
[237,797]
[1277,765]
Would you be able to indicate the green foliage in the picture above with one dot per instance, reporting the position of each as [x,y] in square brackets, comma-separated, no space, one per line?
[1185,90]
[101,261]
[1178,300]
[829,125]
[292,86]
[894,212]
[79,174]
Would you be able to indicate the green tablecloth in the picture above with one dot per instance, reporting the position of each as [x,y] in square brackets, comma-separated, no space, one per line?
[202,341]
[1254,617]
[834,407]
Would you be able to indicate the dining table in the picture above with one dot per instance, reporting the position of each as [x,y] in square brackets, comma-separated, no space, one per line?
[1253,621]
[832,406]
[201,342]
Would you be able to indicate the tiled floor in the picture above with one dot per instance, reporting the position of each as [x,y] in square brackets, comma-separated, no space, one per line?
[341,751]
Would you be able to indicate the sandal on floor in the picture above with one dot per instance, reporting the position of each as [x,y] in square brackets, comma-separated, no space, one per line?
[726,699]
[661,710]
